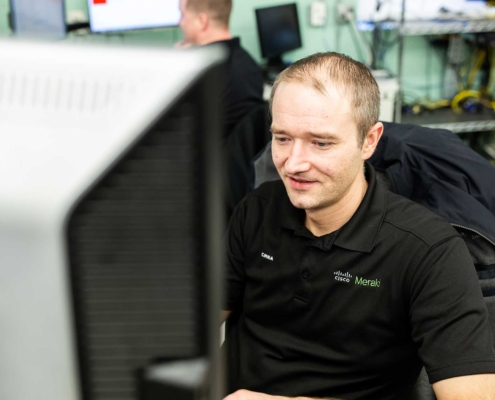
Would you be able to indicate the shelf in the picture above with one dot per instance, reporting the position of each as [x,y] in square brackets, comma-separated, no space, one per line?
[436,27]
[447,119]
[412,28]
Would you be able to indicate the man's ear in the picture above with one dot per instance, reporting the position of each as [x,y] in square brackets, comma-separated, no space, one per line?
[371,140]
[204,21]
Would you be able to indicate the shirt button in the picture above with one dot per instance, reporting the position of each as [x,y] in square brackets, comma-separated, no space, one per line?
[305,274]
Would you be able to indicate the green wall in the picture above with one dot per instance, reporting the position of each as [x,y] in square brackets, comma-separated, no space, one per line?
[4,9]
[422,65]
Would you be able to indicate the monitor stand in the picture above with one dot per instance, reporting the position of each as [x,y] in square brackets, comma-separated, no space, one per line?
[275,63]
[273,67]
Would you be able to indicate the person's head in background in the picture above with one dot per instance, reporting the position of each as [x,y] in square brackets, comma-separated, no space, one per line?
[205,21]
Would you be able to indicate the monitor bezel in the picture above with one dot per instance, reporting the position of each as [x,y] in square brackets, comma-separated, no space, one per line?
[126,29]
[264,54]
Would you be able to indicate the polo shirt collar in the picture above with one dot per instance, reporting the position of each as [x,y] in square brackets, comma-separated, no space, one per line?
[230,43]
[361,231]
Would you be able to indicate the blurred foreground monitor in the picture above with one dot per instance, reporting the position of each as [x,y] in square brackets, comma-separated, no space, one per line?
[110,223]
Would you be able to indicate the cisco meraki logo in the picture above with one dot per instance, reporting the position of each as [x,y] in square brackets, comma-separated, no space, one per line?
[367,282]
[358,280]
[339,276]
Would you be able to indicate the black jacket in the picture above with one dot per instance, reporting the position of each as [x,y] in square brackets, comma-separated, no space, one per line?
[433,167]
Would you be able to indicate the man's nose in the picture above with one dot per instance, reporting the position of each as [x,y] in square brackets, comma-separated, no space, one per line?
[298,160]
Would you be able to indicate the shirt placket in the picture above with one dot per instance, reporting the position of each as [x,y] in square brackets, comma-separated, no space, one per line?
[308,268]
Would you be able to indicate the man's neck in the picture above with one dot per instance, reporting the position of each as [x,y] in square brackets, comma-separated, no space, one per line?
[214,36]
[329,219]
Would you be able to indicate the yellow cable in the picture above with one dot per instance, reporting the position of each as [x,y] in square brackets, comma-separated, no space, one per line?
[463,71]
[436,104]
[488,103]
[474,71]
[470,60]
[461,96]
[490,78]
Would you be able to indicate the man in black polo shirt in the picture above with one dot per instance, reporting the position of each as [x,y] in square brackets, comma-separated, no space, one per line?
[205,22]
[343,289]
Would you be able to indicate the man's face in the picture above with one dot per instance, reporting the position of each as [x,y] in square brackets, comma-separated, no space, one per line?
[315,145]
[189,23]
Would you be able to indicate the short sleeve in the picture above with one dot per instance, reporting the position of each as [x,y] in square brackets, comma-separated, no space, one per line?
[235,257]
[448,316]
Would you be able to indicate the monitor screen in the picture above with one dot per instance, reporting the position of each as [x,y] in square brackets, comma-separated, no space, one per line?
[278,29]
[117,15]
[40,18]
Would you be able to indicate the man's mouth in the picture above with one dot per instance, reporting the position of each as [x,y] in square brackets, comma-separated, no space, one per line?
[299,183]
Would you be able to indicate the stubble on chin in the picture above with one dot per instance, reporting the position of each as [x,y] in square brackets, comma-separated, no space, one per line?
[302,201]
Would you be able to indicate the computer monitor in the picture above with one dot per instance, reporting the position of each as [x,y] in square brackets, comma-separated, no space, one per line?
[38,18]
[111,228]
[278,31]
[110,15]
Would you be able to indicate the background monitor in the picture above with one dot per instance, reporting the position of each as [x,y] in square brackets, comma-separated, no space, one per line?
[118,15]
[112,222]
[278,31]
[38,18]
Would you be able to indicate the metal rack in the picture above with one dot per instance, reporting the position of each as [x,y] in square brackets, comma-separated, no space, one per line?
[445,119]
[458,123]
[435,27]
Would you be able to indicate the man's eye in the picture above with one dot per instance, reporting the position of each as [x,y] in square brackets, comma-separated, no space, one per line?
[322,144]
[281,140]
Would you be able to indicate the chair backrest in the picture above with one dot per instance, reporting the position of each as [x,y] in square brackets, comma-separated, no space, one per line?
[263,168]
[246,140]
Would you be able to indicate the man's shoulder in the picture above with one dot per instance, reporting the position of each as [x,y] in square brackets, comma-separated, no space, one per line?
[414,219]
[241,59]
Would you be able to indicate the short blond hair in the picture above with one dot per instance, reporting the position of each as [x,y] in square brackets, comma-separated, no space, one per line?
[218,10]
[353,78]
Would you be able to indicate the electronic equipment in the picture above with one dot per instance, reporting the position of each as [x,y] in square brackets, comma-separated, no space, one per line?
[111,227]
[115,15]
[389,86]
[278,32]
[420,10]
[38,18]
[318,13]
